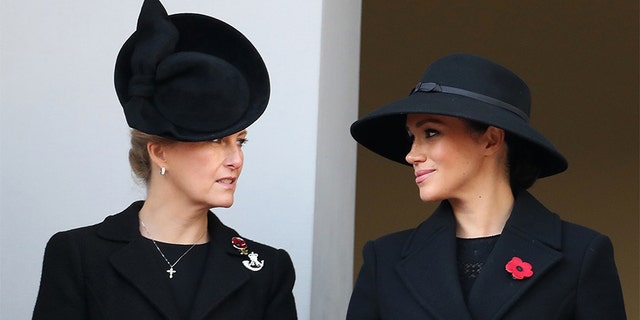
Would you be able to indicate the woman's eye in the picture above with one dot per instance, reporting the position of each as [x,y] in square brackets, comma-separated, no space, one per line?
[241,142]
[429,133]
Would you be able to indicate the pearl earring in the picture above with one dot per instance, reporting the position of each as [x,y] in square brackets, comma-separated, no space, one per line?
[163,170]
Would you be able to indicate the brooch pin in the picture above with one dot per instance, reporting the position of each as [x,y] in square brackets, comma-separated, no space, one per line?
[253,263]
[240,244]
[519,269]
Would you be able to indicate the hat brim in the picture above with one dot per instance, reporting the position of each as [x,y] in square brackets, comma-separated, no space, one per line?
[384,132]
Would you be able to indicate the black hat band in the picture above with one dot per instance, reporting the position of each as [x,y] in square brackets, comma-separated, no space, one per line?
[434,87]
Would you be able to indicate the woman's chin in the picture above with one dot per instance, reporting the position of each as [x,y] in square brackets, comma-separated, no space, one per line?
[221,203]
[430,197]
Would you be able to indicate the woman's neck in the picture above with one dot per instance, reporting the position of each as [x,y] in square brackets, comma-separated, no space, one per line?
[169,221]
[484,213]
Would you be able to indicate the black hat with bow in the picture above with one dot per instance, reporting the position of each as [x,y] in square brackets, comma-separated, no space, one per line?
[189,77]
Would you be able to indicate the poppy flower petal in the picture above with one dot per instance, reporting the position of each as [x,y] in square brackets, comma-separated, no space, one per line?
[519,269]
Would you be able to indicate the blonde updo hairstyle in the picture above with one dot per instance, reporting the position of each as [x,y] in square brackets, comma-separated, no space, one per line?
[139,156]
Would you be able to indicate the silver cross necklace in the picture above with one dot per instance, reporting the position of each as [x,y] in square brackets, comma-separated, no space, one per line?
[170,271]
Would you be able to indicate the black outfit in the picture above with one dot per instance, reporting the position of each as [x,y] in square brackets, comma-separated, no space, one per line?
[471,256]
[109,271]
[414,274]
[184,284]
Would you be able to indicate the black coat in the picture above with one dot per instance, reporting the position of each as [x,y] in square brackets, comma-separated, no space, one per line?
[108,271]
[413,274]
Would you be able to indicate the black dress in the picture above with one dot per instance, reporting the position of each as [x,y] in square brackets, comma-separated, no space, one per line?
[471,256]
[184,284]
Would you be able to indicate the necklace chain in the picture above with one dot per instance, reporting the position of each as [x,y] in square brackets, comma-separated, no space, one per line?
[170,271]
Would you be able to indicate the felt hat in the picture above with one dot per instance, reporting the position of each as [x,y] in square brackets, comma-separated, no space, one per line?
[464,86]
[189,77]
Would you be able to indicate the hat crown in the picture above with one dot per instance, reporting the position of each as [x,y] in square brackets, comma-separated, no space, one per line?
[467,87]
[481,76]
[219,89]
[189,77]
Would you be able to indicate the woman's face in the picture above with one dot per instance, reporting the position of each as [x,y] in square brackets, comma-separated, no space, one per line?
[446,155]
[205,173]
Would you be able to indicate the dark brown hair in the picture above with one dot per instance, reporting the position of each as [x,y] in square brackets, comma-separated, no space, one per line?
[522,166]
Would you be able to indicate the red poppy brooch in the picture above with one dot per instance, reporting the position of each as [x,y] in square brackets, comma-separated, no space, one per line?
[253,263]
[240,244]
[519,269]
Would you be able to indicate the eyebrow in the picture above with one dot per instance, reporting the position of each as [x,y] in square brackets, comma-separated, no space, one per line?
[424,121]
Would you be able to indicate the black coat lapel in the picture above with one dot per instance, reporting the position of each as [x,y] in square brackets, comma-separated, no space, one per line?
[136,261]
[533,234]
[429,269]
[224,272]
[137,264]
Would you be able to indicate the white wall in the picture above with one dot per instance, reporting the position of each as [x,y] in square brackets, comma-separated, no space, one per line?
[64,140]
[336,162]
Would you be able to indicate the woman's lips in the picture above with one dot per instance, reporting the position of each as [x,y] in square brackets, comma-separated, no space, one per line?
[228,181]
[422,175]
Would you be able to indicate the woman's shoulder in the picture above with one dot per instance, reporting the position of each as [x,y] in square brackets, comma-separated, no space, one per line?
[254,255]
[390,244]
[533,218]
[263,247]
[116,223]
[76,232]
[579,236]
[438,225]
[576,229]
[233,239]
[75,241]
[395,237]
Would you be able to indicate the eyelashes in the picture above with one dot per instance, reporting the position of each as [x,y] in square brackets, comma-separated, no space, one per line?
[430,133]
[240,141]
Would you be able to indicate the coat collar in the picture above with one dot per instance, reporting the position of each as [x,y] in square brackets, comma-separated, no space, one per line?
[428,266]
[224,272]
[532,233]
[222,275]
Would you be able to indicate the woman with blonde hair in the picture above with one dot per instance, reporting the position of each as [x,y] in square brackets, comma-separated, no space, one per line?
[189,85]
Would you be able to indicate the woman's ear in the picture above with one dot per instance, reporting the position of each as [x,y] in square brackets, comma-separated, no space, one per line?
[157,154]
[493,139]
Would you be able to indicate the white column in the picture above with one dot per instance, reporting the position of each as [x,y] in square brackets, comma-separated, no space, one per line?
[336,161]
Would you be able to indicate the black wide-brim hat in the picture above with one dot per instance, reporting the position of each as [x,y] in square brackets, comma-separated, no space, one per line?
[189,77]
[464,86]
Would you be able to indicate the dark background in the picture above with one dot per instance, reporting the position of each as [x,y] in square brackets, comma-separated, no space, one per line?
[580,59]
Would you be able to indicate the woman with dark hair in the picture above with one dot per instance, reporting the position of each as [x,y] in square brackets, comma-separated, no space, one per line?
[189,85]
[490,250]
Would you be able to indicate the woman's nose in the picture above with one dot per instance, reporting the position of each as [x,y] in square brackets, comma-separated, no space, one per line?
[414,156]
[235,157]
